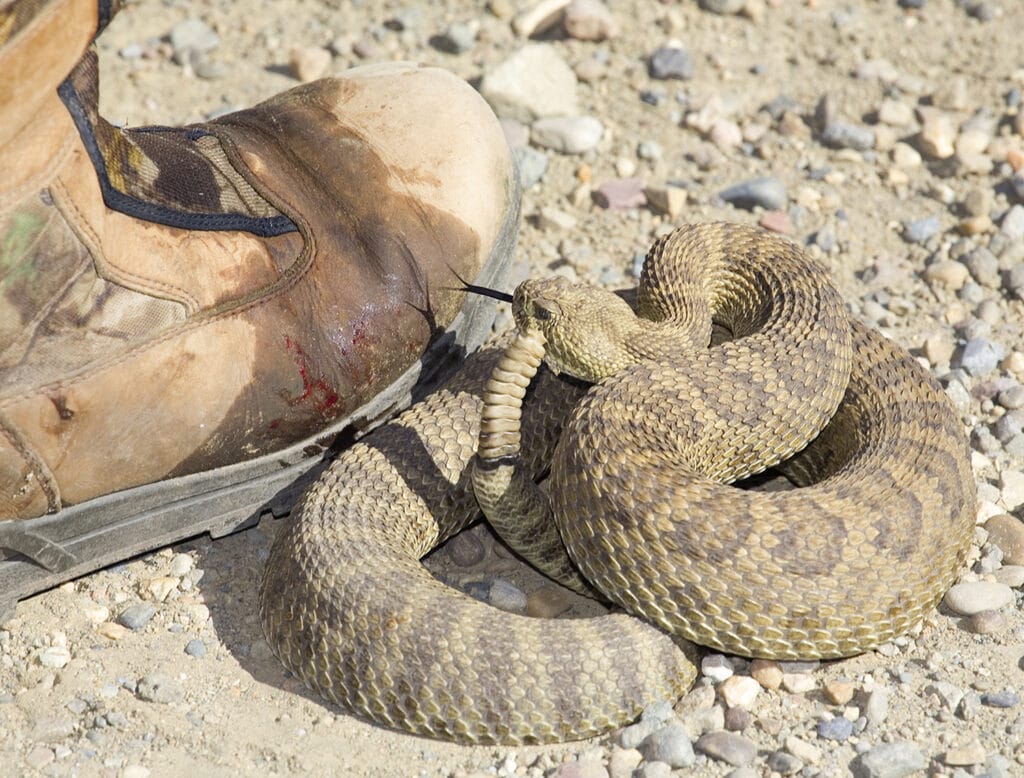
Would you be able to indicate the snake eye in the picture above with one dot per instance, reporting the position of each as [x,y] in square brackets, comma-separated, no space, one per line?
[544,310]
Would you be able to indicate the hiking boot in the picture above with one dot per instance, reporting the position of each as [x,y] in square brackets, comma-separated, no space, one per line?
[190,317]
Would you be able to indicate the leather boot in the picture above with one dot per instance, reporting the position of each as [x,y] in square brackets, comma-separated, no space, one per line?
[189,317]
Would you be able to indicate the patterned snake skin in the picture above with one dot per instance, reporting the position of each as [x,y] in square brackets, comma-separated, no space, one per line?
[858,554]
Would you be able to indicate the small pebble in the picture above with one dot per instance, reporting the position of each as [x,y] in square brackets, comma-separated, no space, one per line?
[160,688]
[767,193]
[980,356]
[717,667]
[798,683]
[533,83]
[986,623]
[1007,532]
[506,596]
[921,230]
[567,134]
[727,747]
[670,62]
[548,602]
[589,20]
[723,7]
[1011,489]
[947,273]
[670,200]
[308,63]
[196,648]
[623,761]
[1000,699]
[876,706]
[620,194]
[966,599]
[191,35]
[766,672]
[938,135]
[55,657]
[891,760]
[532,165]
[670,744]
[738,719]
[969,754]
[840,135]
[457,38]
[135,617]
[181,565]
[839,692]
[802,750]
[1012,225]
[837,728]
[784,763]
[738,691]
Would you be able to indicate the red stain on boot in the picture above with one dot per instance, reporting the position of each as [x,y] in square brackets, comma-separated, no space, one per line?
[322,396]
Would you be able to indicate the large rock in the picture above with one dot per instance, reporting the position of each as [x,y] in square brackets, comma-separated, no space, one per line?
[533,83]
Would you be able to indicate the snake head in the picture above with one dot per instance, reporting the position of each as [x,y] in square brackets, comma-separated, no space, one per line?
[587,329]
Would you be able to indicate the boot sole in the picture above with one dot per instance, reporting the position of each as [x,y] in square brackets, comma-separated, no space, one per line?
[40,553]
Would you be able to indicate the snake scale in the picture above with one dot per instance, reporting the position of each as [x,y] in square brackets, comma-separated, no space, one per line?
[739,357]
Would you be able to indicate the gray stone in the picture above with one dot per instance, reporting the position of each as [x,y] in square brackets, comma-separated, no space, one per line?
[727,747]
[921,230]
[653,770]
[533,83]
[635,734]
[669,744]
[966,599]
[768,193]
[1002,699]
[980,356]
[160,688]
[1014,281]
[567,134]
[191,35]
[456,39]
[889,760]
[506,596]
[532,165]
[984,267]
[838,728]
[196,648]
[136,616]
[1012,225]
[783,763]
[876,706]
[650,150]
[670,62]
[1011,398]
[1007,532]
[724,7]
[841,135]
[54,657]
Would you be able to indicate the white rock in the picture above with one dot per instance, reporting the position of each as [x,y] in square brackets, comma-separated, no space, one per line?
[717,667]
[539,17]
[966,599]
[739,691]
[589,20]
[1011,489]
[55,657]
[533,83]
[567,134]
[938,135]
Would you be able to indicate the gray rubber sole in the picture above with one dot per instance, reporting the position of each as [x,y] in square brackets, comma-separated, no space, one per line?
[38,554]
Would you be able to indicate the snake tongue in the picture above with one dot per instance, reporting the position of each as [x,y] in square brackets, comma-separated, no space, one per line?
[484,291]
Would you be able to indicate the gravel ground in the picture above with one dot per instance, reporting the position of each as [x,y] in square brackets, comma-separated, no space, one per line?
[885,135]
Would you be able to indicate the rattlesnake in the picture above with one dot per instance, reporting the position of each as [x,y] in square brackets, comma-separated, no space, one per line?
[858,555]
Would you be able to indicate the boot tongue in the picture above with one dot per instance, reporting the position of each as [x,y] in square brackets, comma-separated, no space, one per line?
[179,177]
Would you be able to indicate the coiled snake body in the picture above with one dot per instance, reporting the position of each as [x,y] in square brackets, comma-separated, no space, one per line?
[858,554]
